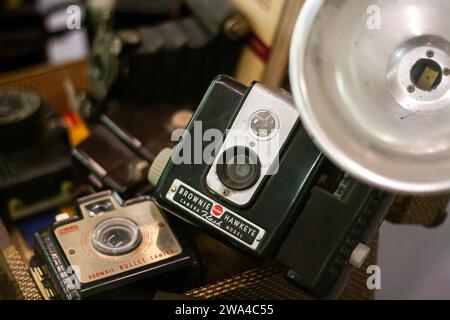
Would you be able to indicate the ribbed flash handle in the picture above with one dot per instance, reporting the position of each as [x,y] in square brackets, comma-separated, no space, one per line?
[158,166]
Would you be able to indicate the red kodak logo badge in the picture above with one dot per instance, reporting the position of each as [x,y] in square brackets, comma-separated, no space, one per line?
[217,210]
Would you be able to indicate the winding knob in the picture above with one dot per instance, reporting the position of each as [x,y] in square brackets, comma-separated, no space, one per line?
[158,166]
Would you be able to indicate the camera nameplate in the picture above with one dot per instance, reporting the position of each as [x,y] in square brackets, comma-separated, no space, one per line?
[215,214]
[158,242]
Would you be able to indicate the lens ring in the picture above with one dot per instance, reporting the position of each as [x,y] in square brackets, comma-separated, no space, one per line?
[116,236]
[239,168]
[16,106]
[263,125]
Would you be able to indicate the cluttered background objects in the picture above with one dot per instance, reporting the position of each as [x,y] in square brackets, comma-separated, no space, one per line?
[98,87]
[90,94]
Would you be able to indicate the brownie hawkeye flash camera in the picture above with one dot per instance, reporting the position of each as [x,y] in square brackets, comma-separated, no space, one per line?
[111,245]
[263,186]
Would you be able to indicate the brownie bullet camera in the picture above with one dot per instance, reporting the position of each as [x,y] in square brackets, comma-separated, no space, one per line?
[113,249]
[246,171]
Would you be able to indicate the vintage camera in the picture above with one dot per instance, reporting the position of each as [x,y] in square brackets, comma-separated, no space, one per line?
[107,163]
[111,245]
[34,155]
[267,189]
[178,58]
[121,147]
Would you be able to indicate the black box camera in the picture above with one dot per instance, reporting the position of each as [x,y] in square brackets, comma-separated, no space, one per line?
[121,147]
[246,171]
[34,155]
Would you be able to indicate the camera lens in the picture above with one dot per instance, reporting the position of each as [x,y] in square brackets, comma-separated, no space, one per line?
[116,236]
[16,106]
[239,168]
[8,107]
[20,119]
